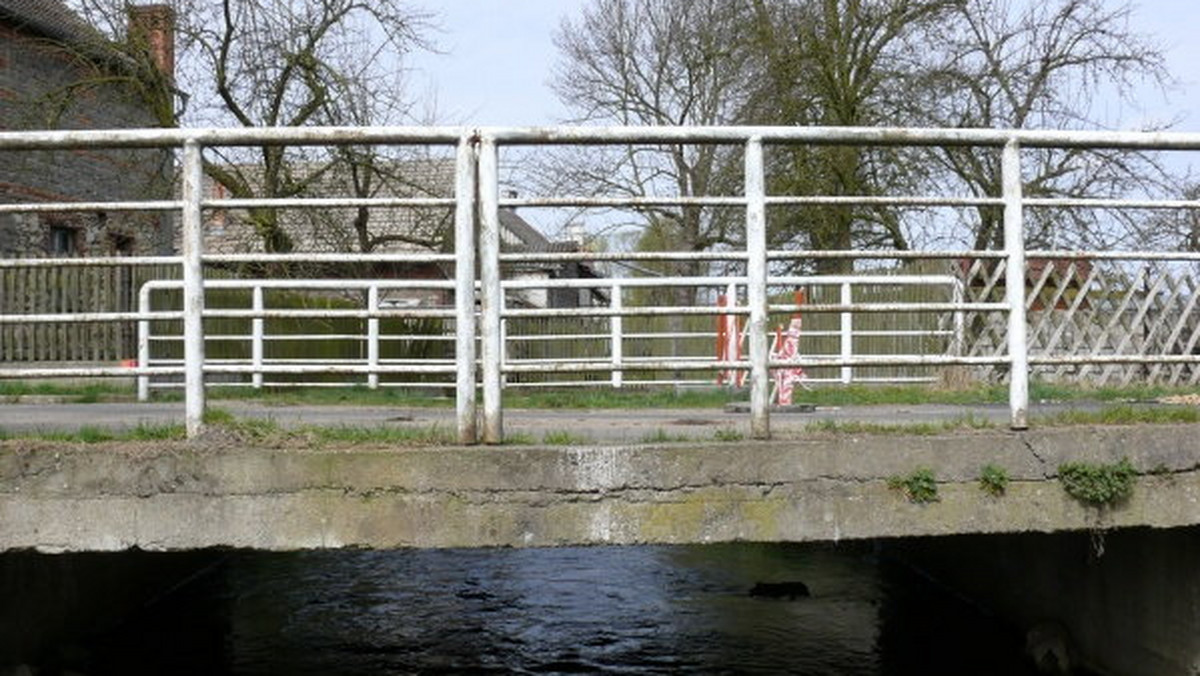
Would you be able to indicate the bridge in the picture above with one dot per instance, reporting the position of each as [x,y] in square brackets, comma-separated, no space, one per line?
[918,314]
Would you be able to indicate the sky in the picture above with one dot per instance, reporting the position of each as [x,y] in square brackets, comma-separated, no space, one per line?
[497,56]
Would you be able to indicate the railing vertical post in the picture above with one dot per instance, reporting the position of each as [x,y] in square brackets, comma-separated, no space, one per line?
[256,337]
[616,325]
[373,337]
[464,291]
[1014,284]
[491,295]
[504,345]
[960,319]
[193,288]
[143,358]
[847,334]
[756,274]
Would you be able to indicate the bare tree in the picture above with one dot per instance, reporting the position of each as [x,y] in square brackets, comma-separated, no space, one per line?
[656,62]
[1004,64]
[256,63]
[943,63]
[838,63]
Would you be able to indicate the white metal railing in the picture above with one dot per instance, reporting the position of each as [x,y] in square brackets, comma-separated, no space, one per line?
[480,311]
[257,365]
[616,361]
[372,338]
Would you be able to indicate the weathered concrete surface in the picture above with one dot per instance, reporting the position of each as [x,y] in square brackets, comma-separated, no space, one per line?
[180,496]
[1128,600]
[601,426]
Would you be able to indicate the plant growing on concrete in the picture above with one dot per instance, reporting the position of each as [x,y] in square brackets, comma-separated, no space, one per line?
[728,434]
[1098,484]
[920,485]
[661,436]
[993,479]
[564,438]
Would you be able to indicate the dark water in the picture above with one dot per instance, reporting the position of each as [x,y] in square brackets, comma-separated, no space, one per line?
[632,610]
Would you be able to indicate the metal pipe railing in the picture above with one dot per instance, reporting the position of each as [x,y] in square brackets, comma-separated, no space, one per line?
[478,260]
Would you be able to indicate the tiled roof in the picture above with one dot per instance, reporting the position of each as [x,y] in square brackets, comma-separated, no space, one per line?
[49,18]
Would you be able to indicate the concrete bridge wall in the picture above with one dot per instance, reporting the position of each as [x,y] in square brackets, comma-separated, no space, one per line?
[56,497]
[1123,602]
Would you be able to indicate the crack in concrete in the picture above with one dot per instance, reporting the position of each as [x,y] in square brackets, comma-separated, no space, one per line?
[194,485]
[1047,475]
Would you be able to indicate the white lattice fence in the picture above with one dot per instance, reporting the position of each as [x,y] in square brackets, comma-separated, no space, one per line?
[1081,307]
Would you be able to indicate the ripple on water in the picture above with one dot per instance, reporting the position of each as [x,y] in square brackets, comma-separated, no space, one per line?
[615,610]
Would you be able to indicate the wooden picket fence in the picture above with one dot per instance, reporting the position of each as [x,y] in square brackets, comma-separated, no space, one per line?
[69,290]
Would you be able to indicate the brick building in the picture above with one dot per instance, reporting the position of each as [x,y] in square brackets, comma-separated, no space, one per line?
[57,72]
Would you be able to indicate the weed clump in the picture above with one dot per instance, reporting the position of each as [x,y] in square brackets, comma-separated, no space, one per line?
[919,486]
[993,480]
[727,434]
[1098,484]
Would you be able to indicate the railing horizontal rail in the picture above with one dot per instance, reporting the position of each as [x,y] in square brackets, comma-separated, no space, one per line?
[88,372]
[1081,360]
[597,135]
[1096,203]
[328,202]
[330,368]
[742,310]
[399,313]
[307,284]
[87,317]
[88,262]
[709,365]
[302,337]
[772,255]
[329,258]
[60,207]
[1193,256]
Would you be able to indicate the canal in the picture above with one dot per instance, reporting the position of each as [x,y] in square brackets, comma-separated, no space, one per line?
[616,610]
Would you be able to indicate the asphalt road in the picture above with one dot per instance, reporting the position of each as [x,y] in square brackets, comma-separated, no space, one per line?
[600,425]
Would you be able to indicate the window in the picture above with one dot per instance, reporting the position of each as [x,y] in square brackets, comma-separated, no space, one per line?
[63,241]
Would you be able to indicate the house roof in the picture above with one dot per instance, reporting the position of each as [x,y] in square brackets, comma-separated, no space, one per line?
[48,18]
[519,236]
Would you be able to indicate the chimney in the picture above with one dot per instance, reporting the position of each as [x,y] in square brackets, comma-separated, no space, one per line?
[152,27]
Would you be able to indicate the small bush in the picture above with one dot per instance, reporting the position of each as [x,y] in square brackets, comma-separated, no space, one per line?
[1098,484]
[993,480]
[920,486]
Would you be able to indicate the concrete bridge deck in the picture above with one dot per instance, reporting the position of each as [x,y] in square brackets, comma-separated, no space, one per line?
[218,492]
[625,426]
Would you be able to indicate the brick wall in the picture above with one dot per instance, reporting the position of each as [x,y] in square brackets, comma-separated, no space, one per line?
[49,86]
